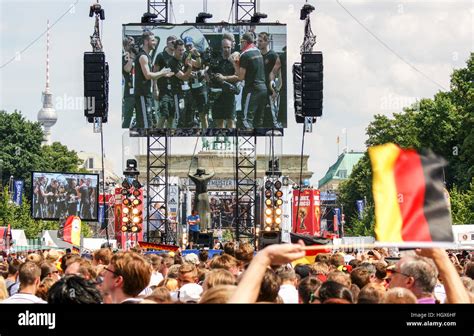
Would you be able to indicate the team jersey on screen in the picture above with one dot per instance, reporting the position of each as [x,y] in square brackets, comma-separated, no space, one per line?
[142,85]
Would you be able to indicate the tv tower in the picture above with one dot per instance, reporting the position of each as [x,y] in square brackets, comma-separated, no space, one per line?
[47,116]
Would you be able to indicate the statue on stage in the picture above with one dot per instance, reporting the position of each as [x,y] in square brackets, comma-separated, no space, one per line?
[201,198]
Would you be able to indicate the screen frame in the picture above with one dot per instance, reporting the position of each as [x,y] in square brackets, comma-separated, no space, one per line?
[210,131]
[65,173]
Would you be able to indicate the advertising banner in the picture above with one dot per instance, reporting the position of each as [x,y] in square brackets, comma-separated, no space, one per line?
[307,215]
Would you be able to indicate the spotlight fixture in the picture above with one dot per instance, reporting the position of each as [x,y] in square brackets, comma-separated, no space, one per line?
[202,17]
[257,17]
[149,18]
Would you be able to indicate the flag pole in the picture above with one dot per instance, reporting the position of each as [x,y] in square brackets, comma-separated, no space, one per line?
[408,245]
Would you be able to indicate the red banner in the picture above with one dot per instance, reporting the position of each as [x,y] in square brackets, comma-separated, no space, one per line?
[306,218]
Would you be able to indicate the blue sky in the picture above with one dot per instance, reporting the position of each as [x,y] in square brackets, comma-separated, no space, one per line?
[362,77]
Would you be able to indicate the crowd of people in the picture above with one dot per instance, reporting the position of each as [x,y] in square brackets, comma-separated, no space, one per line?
[183,87]
[275,274]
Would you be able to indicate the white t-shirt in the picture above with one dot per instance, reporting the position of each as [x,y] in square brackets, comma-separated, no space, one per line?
[155,279]
[23,298]
[288,293]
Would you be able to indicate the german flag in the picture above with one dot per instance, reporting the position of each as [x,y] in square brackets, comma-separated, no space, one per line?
[70,230]
[409,194]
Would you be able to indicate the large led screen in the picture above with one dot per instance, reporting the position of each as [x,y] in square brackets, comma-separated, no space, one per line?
[210,76]
[59,195]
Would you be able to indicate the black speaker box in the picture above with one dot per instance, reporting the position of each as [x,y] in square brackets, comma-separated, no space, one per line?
[205,239]
[268,238]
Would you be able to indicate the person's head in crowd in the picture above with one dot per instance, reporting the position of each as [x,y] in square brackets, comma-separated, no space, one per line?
[355,290]
[160,295]
[303,270]
[269,287]
[371,293]
[178,259]
[416,273]
[217,295]
[340,277]
[399,295]
[229,248]
[4,269]
[82,268]
[244,253]
[203,257]
[225,261]
[48,270]
[101,256]
[191,258]
[13,269]
[73,289]
[323,257]
[166,263]
[287,275]
[35,258]
[320,269]
[308,288]
[369,266]
[190,293]
[361,276]
[187,274]
[67,260]
[217,277]
[380,273]
[469,269]
[29,276]
[333,292]
[202,272]
[173,271]
[44,287]
[3,289]
[52,256]
[354,263]
[126,276]
[169,283]
[336,260]
[155,261]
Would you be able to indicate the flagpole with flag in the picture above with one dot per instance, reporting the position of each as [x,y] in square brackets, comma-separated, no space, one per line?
[344,131]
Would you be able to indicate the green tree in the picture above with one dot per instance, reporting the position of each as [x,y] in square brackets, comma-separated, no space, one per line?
[462,96]
[364,226]
[58,158]
[462,205]
[20,146]
[21,151]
